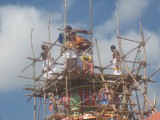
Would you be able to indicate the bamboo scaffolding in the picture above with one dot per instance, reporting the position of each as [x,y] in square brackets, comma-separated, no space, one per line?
[146,82]
[62,84]
[71,48]
[86,32]
[154,73]
[127,39]
[39,107]
[25,77]
[106,87]
[34,73]
[66,78]
[136,57]
[144,94]
[47,69]
[84,100]
[38,57]
[137,100]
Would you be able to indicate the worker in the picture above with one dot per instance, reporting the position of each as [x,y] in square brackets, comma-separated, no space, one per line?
[71,51]
[115,61]
[48,63]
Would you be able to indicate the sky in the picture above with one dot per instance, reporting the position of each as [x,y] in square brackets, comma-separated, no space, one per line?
[18,17]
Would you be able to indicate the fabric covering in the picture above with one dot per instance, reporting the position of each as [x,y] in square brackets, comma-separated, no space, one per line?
[52,71]
[116,71]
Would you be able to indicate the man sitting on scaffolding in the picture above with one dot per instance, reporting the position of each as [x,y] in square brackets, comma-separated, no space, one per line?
[71,52]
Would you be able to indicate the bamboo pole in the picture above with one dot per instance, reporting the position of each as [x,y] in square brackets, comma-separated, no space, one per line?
[84,100]
[119,42]
[25,77]
[154,73]
[47,69]
[92,43]
[83,32]
[48,65]
[58,99]
[128,39]
[66,79]
[135,58]
[138,101]
[34,73]
[130,99]
[71,48]
[39,107]
[154,110]
[38,57]
[91,34]
[106,87]
[155,97]
[146,82]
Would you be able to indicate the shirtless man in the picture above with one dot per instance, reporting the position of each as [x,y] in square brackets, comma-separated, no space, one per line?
[47,59]
[44,53]
[115,61]
[71,54]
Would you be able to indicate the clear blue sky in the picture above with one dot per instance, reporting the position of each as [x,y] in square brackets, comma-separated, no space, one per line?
[17,17]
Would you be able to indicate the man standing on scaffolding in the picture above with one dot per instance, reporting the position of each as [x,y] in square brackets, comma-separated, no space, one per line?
[71,50]
[47,63]
[115,61]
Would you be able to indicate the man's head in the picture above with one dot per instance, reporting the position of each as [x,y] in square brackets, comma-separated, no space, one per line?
[44,47]
[68,27]
[113,47]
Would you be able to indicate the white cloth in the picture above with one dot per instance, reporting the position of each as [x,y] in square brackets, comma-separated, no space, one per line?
[79,62]
[52,70]
[116,71]
[71,54]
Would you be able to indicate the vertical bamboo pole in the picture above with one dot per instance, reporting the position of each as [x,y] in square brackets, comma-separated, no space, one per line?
[48,66]
[34,74]
[153,109]
[119,39]
[119,42]
[155,97]
[66,78]
[39,108]
[106,86]
[146,82]
[136,57]
[45,104]
[138,101]
[92,44]
[91,34]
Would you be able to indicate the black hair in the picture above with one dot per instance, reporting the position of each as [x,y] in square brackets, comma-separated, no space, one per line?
[113,47]
[43,47]
[68,27]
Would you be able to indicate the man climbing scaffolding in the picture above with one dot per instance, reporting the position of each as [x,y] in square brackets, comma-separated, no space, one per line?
[115,61]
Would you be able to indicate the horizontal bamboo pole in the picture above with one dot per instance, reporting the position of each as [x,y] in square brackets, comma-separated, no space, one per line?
[35,85]
[34,59]
[127,39]
[140,88]
[83,32]
[72,48]
[25,77]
